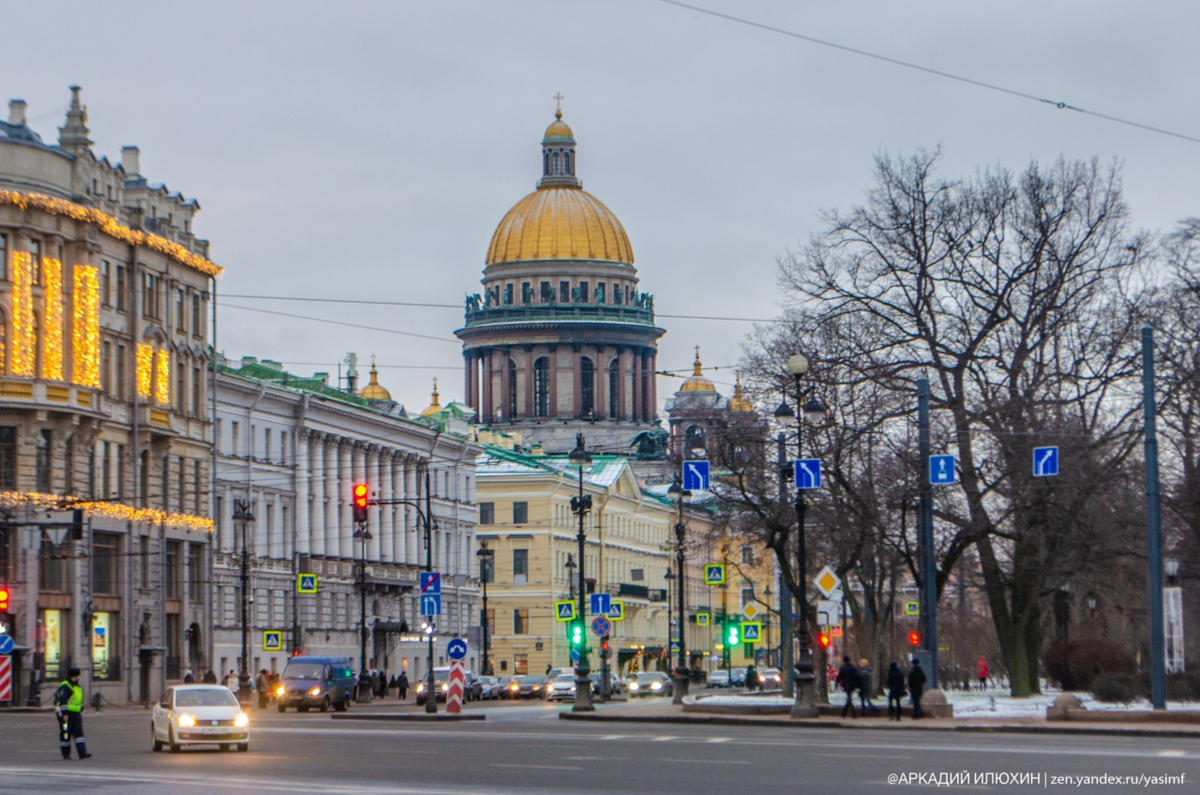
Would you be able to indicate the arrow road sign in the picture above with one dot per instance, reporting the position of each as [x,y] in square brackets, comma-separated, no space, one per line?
[828,612]
[456,649]
[751,631]
[431,604]
[272,640]
[306,583]
[714,574]
[1045,462]
[431,582]
[695,475]
[617,611]
[601,603]
[6,644]
[808,473]
[601,626]
[564,611]
[574,655]
[941,470]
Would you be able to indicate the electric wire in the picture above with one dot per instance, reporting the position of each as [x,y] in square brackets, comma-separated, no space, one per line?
[340,323]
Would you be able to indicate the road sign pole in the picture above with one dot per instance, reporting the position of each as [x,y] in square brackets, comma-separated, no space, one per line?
[925,525]
[1158,682]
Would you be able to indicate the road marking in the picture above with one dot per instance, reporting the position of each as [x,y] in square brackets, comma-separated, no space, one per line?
[666,739]
[538,767]
[705,761]
[718,739]
[1172,752]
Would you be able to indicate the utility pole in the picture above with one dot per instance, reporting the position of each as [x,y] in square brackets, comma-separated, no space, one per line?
[1158,681]
[929,635]
[242,515]
[430,693]
[786,661]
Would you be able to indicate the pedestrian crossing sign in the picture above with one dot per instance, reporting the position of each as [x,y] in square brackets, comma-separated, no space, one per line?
[714,574]
[703,619]
[564,611]
[751,631]
[616,610]
[272,640]
[306,583]
[912,608]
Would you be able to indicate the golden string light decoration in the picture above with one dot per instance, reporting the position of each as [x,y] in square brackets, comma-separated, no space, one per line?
[52,334]
[24,339]
[109,226]
[162,377]
[145,369]
[86,328]
[110,510]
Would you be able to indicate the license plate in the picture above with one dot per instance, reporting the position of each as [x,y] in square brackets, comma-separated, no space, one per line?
[215,730]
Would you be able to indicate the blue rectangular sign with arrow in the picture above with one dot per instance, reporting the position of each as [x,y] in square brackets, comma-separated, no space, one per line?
[695,475]
[941,470]
[601,603]
[808,473]
[1045,462]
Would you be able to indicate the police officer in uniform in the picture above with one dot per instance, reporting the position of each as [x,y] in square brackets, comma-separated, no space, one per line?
[68,703]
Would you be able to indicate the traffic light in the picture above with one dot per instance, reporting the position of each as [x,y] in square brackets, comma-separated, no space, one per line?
[914,639]
[575,634]
[733,634]
[3,598]
[360,503]
[823,639]
[604,647]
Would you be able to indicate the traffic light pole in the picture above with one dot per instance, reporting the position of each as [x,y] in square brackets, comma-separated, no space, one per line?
[581,505]
[929,633]
[244,517]
[805,705]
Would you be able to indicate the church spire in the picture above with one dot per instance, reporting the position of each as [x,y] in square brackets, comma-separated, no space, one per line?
[73,136]
[558,152]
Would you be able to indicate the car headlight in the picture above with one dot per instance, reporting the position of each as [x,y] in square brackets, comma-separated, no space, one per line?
[634,686]
[445,686]
[281,690]
[186,720]
[421,688]
[656,686]
[242,720]
[316,691]
[514,687]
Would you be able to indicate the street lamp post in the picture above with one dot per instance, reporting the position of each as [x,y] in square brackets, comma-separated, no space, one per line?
[486,556]
[679,494]
[814,411]
[242,515]
[580,506]
[364,678]
[570,567]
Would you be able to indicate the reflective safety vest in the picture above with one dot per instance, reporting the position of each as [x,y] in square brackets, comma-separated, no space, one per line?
[75,702]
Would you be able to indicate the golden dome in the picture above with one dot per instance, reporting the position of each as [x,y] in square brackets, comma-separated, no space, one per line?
[435,407]
[697,383]
[560,222]
[738,402]
[373,390]
[558,130]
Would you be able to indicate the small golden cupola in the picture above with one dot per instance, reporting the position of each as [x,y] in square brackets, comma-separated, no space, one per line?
[738,402]
[697,383]
[374,390]
[435,407]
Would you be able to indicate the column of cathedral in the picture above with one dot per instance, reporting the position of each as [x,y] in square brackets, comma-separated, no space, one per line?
[331,496]
[387,549]
[486,405]
[302,502]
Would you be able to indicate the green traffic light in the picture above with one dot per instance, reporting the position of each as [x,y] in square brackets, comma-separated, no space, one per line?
[576,634]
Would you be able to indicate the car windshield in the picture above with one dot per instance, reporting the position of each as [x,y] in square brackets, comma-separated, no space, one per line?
[650,678]
[530,680]
[304,670]
[209,697]
[565,679]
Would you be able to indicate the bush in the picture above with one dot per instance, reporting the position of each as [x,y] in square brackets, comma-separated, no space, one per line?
[1184,687]
[1119,688]
[1058,665]
[1077,664]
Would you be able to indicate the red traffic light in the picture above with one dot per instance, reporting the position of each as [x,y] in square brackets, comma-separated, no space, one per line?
[361,499]
[604,647]
[3,599]
[823,639]
[914,638]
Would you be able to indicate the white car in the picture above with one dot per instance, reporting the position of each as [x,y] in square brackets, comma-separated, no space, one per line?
[199,714]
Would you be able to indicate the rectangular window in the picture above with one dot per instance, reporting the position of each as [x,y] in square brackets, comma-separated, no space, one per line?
[547,293]
[121,473]
[508,294]
[43,462]
[520,564]
[197,317]
[197,392]
[487,510]
[521,621]
[583,292]
[105,282]
[52,567]
[748,555]
[144,559]
[490,618]
[747,596]
[54,625]
[234,433]
[151,298]
[267,444]
[601,293]
[105,663]
[119,392]
[122,289]
[526,293]
[3,256]
[180,310]
[105,563]
[35,251]
[637,575]
[8,458]
[182,469]
[195,572]
[196,490]
[171,580]
[520,665]
[520,513]
[564,292]
[180,385]
[106,360]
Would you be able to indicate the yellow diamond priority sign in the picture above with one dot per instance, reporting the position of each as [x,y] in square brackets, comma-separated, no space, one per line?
[827,581]
[750,611]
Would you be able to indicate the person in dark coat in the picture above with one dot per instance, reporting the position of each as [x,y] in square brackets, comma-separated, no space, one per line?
[381,691]
[916,687]
[189,678]
[209,677]
[848,680]
[751,679]
[402,685]
[866,687]
[895,688]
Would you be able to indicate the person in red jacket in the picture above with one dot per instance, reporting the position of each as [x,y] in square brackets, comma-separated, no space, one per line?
[981,671]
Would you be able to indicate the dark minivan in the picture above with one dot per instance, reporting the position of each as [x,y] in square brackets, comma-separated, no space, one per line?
[320,682]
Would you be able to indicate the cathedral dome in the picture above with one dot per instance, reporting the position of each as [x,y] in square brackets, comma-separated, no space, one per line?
[435,407]
[560,222]
[738,402]
[698,383]
[558,131]
[374,390]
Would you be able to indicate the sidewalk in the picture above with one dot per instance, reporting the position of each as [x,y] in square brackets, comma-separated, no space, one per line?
[671,714]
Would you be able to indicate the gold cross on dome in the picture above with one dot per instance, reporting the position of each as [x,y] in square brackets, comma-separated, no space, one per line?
[558,98]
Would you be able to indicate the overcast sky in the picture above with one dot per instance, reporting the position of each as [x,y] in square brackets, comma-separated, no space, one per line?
[368,150]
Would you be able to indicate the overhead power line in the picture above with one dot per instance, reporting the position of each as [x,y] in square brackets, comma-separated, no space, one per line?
[931,71]
[339,323]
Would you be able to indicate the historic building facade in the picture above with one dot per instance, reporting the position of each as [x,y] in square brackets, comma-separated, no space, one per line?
[561,340]
[291,448]
[104,433]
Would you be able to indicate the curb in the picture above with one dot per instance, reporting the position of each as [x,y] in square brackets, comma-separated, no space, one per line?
[413,716]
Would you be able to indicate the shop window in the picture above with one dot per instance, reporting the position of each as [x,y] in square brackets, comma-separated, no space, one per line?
[520,665]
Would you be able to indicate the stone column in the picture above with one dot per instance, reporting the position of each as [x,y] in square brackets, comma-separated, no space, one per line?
[317,451]
[367,462]
[302,486]
[600,384]
[577,380]
[530,357]
[410,493]
[485,410]
[332,514]
[469,380]
[387,550]
[349,464]
[653,412]
[635,374]
[552,409]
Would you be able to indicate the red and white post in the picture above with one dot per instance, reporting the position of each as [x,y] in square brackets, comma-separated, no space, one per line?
[454,692]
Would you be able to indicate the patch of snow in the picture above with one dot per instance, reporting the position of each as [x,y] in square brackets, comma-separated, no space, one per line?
[746,701]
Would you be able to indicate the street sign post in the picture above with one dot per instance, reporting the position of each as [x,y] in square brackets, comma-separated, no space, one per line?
[714,574]
[564,611]
[431,582]
[828,612]
[431,593]
[306,583]
[827,581]
[454,687]
[808,473]
[5,677]
[616,612]
[7,644]
[751,631]
[695,475]
[601,626]
[1045,462]
[272,640]
[912,608]
[601,603]
[942,470]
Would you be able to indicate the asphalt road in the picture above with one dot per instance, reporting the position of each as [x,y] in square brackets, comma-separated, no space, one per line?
[526,749]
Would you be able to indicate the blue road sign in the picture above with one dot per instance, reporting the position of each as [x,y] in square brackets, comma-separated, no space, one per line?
[574,655]
[272,640]
[941,470]
[1045,462]
[714,574]
[431,604]
[6,644]
[751,631]
[564,611]
[431,582]
[306,583]
[601,604]
[456,649]
[674,645]
[617,611]
[601,626]
[695,475]
[808,473]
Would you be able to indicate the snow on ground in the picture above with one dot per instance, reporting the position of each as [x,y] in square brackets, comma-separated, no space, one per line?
[747,701]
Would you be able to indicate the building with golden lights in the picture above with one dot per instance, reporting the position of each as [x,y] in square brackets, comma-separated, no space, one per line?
[562,340]
[104,432]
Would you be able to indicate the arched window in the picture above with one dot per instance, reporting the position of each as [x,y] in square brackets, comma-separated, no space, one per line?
[541,387]
[587,387]
[557,160]
[546,164]
[693,439]
[567,163]
[512,389]
[614,388]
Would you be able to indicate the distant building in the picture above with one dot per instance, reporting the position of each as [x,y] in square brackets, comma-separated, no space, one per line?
[292,447]
[103,396]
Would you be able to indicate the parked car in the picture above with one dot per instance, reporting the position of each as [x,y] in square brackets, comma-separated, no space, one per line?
[503,683]
[441,684]
[651,684]
[770,679]
[527,687]
[561,688]
[199,714]
[472,687]
[614,683]
[737,677]
[489,687]
[321,682]
[718,679]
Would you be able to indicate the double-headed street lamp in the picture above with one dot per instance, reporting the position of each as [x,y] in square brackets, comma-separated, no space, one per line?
[242,516]
[581,506]
[486,557]
[814,411]
[677,493]
[363,535]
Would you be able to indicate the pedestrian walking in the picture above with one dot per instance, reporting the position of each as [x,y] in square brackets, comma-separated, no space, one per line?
[231,680]
[189,678]
[895,688]
[209,677]
[981,672]
[263,687]
[68,709]
[848,680]
[866,687]
[402,685]
[751,679]
[916,687]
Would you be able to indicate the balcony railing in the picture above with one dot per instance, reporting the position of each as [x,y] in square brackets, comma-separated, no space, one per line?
[605,313]
[636,591]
